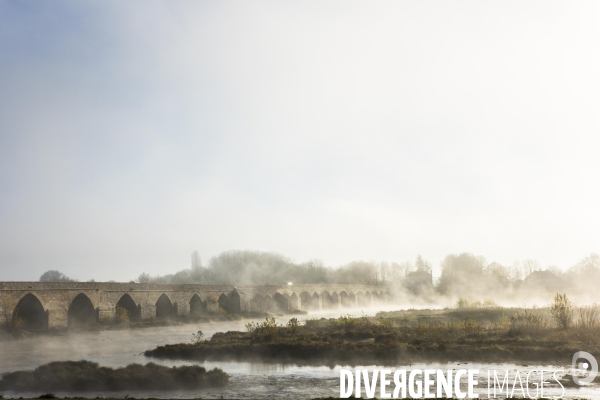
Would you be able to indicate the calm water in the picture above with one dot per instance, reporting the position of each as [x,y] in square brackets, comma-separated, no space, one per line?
[247,379]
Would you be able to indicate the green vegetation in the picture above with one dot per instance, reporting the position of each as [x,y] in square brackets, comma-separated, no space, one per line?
[490,335]
[82,376]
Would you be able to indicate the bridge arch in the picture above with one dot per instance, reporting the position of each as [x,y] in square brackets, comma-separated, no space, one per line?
[360,299]
[81,312]
[326,300]
[257,303]
[316,301]
[164,308]
[197,306]
[30,314]
[345,299]
[335,299]
[127,310]
[293,302]
[305,301]
[281,302]
[235,302]
[269,304]
[223,302]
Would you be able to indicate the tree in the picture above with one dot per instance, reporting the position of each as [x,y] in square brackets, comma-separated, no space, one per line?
[530,266]
[54,276]
[588,267]
[460,271]
[144,278]
[498,270]
[562,311]
[422,265]
[197,338]
[402,269]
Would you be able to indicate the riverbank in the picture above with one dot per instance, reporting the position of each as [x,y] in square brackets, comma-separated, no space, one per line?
[498,335]
[86,376]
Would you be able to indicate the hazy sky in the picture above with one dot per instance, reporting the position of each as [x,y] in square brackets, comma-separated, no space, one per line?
[132,133]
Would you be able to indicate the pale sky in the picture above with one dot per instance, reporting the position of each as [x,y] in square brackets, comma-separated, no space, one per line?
[133,133]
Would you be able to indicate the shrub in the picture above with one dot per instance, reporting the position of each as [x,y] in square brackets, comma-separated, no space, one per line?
[313,323]
[588,316]
[469,325]
[267,328]
[526,323]
[16,325]
[121,315]
[562,311]
[251,327]
[385,323]
[490,303]
[345,323]
[293,325]
[197,337]
[463,303]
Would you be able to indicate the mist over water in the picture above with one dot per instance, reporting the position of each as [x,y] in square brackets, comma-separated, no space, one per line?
[256,380]
[118,348]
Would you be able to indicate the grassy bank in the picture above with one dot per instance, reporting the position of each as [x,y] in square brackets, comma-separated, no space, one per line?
[85,376]
[448,335]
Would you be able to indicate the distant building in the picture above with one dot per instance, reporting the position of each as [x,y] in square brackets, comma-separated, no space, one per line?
[544,280]
[418,282]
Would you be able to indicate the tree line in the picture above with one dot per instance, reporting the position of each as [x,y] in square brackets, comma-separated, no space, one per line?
[458,271]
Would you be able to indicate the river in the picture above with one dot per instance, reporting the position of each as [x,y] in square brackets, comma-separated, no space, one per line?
[248,380]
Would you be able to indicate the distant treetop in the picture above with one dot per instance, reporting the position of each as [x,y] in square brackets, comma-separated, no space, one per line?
[54,276]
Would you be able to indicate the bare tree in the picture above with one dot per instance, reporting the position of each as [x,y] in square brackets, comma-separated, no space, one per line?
[530,266]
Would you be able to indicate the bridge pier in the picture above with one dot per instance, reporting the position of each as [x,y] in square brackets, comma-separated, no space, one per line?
[57,315]
[336,301]
[294,302]
[107,313]
[245,303]
[212,306]
[183,309]
[317,302]
[148,311]
[352,298]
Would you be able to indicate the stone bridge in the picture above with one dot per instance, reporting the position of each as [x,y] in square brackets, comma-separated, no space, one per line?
[43,305]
